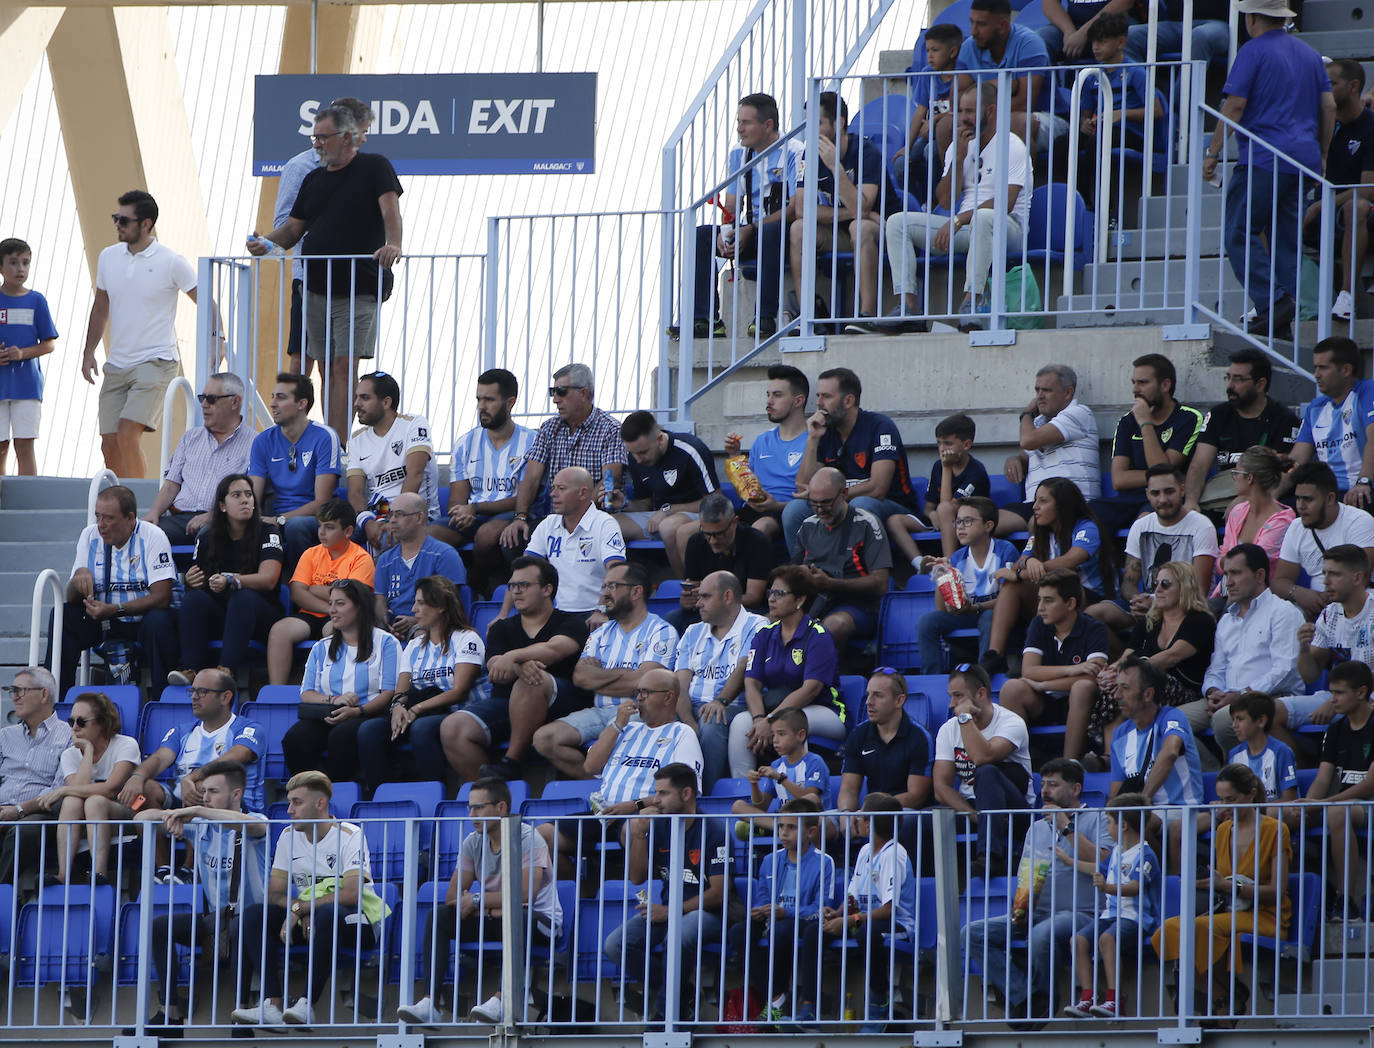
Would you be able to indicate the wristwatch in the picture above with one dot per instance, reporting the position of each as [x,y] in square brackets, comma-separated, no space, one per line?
[281,522]
[964,718]
[1364,481]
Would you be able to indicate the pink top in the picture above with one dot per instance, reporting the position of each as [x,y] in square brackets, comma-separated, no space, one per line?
[1269,538]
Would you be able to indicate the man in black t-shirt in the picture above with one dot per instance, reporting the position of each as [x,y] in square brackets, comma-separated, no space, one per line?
[1246,419]
[350,205]
[722,544]
[530,661]
[672,473]
[1349,162]
[849,179]
[1346,773]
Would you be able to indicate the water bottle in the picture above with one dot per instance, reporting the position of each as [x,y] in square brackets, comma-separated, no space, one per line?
[274,250]
[608,488]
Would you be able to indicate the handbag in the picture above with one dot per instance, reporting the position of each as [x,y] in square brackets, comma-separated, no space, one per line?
[313,711]
[1136,783]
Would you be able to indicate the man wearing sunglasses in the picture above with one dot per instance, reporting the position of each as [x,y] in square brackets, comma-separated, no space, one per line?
[30,751]
[579,434]
[136,286]
[204,456]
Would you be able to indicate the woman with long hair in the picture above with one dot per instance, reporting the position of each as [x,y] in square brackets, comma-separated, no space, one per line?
[93,770]
[1178,635]
[231,589]
[1256,516]
[1251,854]
[1064,533]
[439,666]
[350,676]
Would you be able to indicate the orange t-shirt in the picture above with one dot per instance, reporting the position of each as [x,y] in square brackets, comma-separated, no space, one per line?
[318,567]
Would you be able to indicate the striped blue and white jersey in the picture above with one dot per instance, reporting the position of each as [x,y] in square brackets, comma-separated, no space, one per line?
[134,567]
[640,751]
[1337,431]
[493,473]
[886,877]
[711,660]
[218,849]
[1275,765]
[614,648]
[430,666]
[339,676]
[194,747]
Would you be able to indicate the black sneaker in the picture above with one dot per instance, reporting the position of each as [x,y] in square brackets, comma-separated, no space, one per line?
[866,324]
[505,768]
[994,662]
[764,327]
[1285,309]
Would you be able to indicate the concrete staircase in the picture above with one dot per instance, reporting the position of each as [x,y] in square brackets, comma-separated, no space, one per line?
[40,521]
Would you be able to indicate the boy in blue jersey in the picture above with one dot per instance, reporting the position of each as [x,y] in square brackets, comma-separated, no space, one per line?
[216,734]
[797,774]
[26,333]
[786,894]
[977,562]
[1130,882]
[933,96]
[1269,758]
[229,847]
[880,909]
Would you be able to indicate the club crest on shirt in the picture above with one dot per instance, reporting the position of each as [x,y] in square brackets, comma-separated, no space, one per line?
[396,447]
[861,459]
[306,457]
[584,546]
[670,476]
[793,457]
[798,656]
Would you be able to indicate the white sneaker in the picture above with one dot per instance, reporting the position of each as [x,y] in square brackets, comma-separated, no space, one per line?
[300,1013]
[1250,314]
[421,1013]
[264,1014]
[489,1011]
[1344,306]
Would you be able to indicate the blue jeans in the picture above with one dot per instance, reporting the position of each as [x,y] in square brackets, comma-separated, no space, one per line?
[1049,950]
[301,534]
[993,793]
[1211,40]
[1274,203]
[715,745]
[377,754]
[768,251]
[798,510]
[934,626]
[637,935]
[244,616]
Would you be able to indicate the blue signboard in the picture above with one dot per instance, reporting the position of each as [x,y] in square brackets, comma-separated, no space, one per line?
[444,124]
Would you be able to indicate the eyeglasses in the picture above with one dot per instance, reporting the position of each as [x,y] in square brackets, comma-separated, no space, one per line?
[717,534]
[967,521]
[122,220]
[326,138]
[79,722]
[610,584]
[1241,473]
[197,693]
[643,693]
[18,689]
[474,805]
[777,594]
[562,391]
[214,398]
[825,503]
[1164,584]
[517,587]
[291,458]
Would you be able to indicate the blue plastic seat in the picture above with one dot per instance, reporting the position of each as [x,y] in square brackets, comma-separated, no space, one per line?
[275,719]
[897,619]
[279,694]
[1049,224]
[62,934]
[451,825]
[428,795]
[579,788]
[384,829]
[163,898]
[157,719]
[128,699]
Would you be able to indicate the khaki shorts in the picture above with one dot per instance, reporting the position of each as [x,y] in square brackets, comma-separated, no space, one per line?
[339,318]
[135,393]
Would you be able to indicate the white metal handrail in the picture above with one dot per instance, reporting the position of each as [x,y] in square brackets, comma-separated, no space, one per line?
[102,480]
[48,579]
[1101,191]
[181,384]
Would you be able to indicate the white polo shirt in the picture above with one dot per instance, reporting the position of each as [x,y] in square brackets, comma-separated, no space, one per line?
[143,291]
[581,556]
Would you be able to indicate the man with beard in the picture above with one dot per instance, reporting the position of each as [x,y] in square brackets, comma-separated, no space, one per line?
[1337,423]
[1246,419]
[295,463]
[615,664]
[864,446]
[1323,523]
[1169,533]
[488,465]
[776,453]
[1158,430]
[390,454]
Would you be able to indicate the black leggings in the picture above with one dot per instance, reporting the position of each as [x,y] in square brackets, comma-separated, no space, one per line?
[262,937]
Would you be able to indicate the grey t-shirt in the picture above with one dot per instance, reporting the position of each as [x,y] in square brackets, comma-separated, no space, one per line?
[1064,887]
[856,548]
[475,851]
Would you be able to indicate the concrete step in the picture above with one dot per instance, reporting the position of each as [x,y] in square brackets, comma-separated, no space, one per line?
[14,619]
[38,525]
[1151,307]
[1156,275]
[61,492]
[35,556]
[14,651]
[1130,245]
[1161,212]
[1341,43]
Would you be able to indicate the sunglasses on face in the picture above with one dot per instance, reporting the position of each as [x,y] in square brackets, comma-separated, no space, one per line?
[561,391]
[78,722]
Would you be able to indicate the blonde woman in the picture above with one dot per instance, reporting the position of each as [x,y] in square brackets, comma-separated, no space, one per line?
[1178,636]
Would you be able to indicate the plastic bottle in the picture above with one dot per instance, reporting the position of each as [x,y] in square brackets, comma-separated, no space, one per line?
[608,488]
[274,250]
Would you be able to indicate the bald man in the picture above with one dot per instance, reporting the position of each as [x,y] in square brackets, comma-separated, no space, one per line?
[578,539]
[845,551]
[414,555]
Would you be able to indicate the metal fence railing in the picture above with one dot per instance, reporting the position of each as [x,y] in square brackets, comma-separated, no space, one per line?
[826,923]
